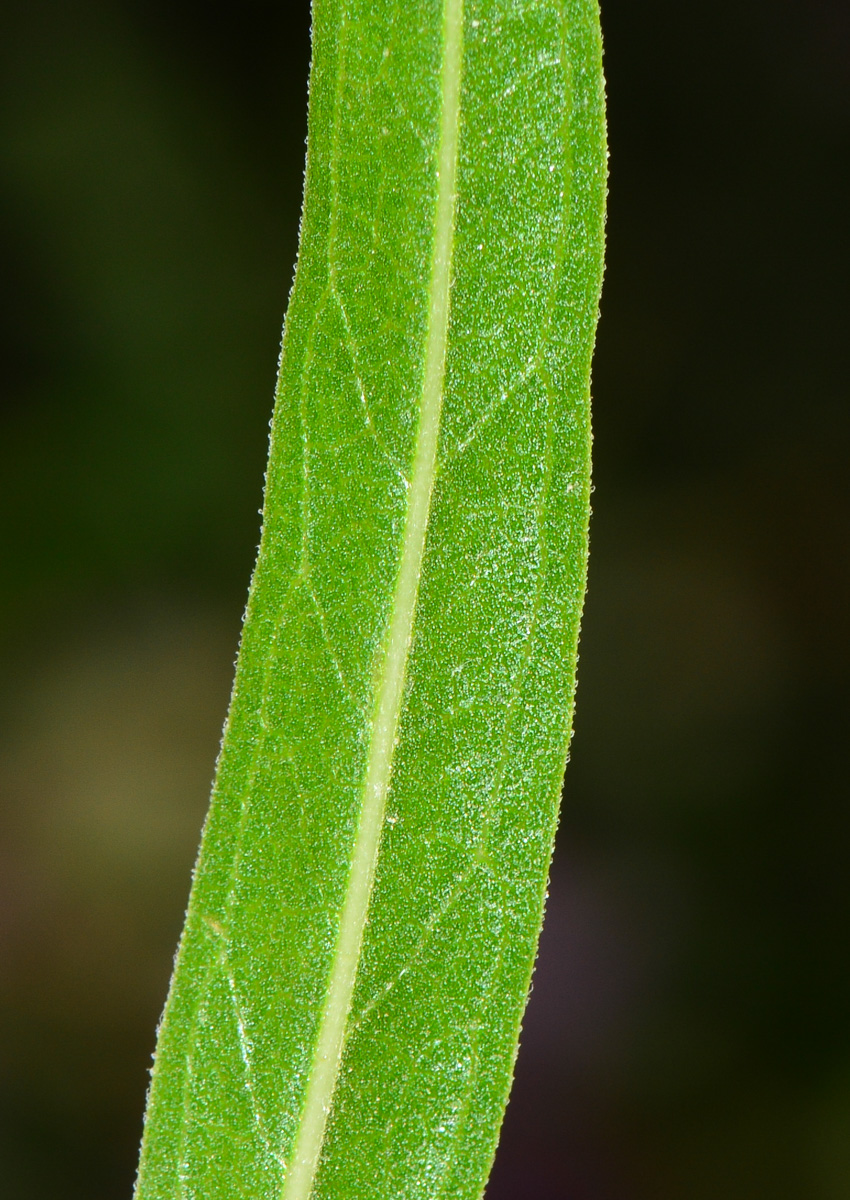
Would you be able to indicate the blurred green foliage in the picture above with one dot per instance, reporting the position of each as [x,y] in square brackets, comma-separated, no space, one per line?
[149,241]
[689,1031]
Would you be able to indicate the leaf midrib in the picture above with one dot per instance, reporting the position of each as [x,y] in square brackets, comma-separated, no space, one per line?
[389,688]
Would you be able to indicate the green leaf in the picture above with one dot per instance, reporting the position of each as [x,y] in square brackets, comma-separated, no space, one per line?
[345,1008]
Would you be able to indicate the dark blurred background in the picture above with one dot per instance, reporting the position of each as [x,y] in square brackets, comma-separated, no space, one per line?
[689,1030]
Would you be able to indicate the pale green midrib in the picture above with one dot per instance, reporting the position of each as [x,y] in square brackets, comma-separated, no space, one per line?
[327,1057]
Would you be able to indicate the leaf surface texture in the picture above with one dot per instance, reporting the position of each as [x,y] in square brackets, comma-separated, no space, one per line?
[344,1013]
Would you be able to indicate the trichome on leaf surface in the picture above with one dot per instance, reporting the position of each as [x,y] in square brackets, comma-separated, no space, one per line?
[344,1013]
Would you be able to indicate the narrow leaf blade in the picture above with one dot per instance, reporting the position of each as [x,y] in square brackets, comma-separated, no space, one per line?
[345,1008]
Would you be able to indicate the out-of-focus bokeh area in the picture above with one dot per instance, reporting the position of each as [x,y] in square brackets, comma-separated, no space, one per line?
[689,1031]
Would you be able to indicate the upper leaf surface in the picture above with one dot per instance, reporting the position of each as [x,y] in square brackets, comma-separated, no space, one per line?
[408,769]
